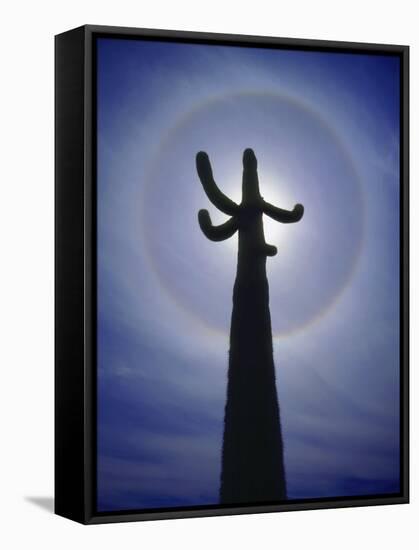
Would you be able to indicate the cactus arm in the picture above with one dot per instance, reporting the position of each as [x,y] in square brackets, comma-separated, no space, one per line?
[221,201]
[270,250]
[284,216]
[216,232]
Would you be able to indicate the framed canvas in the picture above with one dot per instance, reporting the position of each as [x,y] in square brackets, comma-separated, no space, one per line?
[231,274]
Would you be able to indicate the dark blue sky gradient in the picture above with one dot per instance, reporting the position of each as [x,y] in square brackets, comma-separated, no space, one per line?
[325,128]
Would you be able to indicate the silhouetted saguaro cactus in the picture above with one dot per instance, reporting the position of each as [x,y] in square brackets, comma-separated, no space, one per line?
[252,456]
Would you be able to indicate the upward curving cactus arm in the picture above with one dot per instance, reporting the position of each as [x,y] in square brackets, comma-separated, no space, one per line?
[216,232]
[284,216]
[221,201]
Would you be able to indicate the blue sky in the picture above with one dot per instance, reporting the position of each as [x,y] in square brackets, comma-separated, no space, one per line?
[325,129]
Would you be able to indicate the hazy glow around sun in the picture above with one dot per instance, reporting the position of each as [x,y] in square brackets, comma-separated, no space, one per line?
[274,191]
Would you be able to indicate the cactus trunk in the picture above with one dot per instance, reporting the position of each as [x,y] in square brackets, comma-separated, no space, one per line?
[252,458]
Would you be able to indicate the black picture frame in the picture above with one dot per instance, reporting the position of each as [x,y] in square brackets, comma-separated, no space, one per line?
[75,261]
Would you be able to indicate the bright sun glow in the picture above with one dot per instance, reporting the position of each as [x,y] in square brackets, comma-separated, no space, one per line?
[274,192]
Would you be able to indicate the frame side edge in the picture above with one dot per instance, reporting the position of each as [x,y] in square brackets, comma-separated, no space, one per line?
[69,275]
[405,98]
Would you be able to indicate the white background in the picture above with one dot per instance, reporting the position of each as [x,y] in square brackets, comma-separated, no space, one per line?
[26,300]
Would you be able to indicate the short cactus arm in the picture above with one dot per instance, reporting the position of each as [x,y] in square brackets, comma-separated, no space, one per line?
[270,250]
[216,232]
[221,201]
[284,216]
